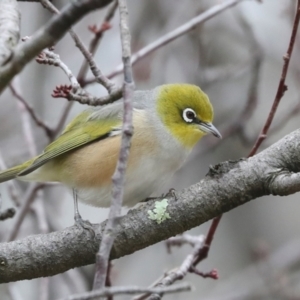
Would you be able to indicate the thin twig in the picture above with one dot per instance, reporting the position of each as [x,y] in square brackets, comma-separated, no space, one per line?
[108,279]
[26,202]
[11,186]
[25,119]
[46,36]
[282,87]
[238,125]
[94,43]
[118,178]
[100,78]
[173,35]
[62,119]
[203,253]
[84,97]
[180,272]
[129,290]
[51,58]
[7,214]
[32,113]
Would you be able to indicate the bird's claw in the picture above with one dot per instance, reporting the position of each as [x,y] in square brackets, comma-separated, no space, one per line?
[170,193]
[84,225]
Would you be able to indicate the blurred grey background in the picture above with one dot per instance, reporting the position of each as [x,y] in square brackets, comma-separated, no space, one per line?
[229,57]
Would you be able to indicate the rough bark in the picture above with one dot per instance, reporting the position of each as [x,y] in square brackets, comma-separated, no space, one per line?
[227,185]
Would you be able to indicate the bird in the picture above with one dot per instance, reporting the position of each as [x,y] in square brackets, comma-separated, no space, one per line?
[168,122]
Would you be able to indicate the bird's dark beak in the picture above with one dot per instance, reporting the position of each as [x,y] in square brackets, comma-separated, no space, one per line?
[210,128]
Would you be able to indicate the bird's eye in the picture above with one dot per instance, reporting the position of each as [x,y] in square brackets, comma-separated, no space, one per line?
[188,115]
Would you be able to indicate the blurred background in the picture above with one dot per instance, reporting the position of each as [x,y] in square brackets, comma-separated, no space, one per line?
[236,58]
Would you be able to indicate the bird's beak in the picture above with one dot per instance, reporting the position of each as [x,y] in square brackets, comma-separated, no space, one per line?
[210,128]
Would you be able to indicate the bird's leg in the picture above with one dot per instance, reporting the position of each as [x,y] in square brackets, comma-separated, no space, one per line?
[170,193]
[84,224]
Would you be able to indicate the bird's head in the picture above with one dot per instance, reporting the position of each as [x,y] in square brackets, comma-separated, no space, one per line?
[186,112]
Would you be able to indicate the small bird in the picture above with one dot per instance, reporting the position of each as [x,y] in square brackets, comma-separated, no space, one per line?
[168,121]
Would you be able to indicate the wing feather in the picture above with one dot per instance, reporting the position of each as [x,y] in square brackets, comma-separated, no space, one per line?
[78,133]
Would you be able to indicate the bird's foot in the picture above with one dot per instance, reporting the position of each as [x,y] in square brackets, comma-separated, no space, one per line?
[170,193]
[84,224]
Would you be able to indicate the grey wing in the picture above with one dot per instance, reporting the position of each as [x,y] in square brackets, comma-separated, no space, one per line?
[115,110]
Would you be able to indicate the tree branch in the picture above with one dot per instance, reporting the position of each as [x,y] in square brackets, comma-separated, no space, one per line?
[9,28]
[275,171]
[47,36]
[173,35]
[118,178]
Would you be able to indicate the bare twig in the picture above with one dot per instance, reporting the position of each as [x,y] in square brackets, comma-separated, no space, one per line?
[181,240]
[119,174]
[46,36]
[98,34]
[238,125]
[32,113]
[7,214]
[9,28]
[12,188]
[282,87]
[129,290]
[100,78]
[62,119]
[26,202]
[25,119]
[108,279]
[83,97]
[203,253]
[180,272]
[51,58]
[171,36]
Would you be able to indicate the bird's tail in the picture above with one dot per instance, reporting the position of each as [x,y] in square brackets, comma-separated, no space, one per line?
[13,172]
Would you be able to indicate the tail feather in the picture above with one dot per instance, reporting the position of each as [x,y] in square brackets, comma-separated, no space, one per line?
[13,172]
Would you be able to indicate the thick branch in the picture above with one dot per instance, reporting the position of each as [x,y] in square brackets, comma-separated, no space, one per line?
[47,36]
[275,171]
[9,29]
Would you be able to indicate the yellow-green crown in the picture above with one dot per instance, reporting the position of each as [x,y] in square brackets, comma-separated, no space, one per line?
[173,100]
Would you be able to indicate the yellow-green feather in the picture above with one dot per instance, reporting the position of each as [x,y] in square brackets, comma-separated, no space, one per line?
[79,132]
[172,100]
[13,172]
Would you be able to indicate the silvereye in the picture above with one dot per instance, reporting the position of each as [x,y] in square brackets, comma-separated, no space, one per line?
[168,122]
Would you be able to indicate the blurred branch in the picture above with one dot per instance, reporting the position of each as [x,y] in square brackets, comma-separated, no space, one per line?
[50,58]
[180,272]
[239,124]
[31,112]
[46,36]
[118,177]
[174,34]
[7,214]
[98,34]
[251,286]
[282,87]
[100,78]
[9,28]
[276,171]
[26,202]
[128,290]
[11,186]
[83,97]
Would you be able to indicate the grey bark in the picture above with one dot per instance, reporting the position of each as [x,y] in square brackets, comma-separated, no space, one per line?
[46,36]
[226,186]
[9,28]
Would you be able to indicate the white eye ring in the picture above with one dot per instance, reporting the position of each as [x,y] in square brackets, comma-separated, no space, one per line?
[188,115]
